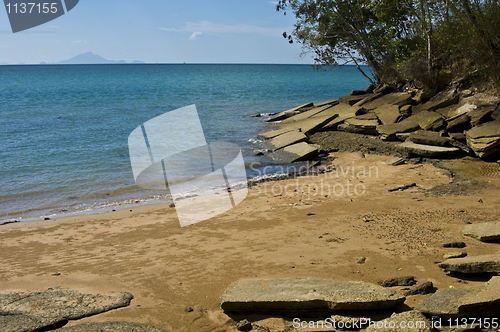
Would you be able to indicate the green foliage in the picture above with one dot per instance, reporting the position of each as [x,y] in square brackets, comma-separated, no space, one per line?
[402,40]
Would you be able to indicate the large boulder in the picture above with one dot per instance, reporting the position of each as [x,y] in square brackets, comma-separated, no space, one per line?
[473,264]
[471,302]
[297,152]
[429,151]
[483,231]
[34,311]
[484,139]
[284,140]
[306,296]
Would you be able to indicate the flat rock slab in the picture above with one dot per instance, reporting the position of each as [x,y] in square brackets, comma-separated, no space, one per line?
[110,327]
[428,150]
[429,138]
[427,120]
[310,125]
[332,102]
[391,130]
[387,114]
[473,264]
[472,302]
[443,99]
[306,296]
[297,152]
[32,311]
[274,133]
[485,231]
[352,99]
[413,321]
[291,112]
[281,141]
[396,99]
[307,114]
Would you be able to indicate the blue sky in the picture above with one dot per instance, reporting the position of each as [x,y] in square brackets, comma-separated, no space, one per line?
[168,31]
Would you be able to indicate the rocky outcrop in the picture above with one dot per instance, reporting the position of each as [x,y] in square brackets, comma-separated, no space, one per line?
[33,311]
[305,296]
[475,301]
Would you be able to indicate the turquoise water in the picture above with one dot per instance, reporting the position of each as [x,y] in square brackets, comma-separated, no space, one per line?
[64,129]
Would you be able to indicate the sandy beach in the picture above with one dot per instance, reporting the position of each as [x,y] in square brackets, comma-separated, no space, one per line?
[322,229]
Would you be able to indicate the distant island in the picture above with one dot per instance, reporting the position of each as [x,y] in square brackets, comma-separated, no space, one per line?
[91,58]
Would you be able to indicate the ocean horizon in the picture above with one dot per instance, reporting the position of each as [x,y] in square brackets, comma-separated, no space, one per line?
[65,127]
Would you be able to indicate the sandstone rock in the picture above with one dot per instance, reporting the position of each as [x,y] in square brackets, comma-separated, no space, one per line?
[291,112]
[412,321]
[389,131]
[370,88]
[459,124]
[476,301]
[399,281]
[357,92]
[307,114]
[458,136]
[485,231]
[274,133]
[423,289]
[457,254]
[427,120]
[444,98]
[368,98]
[351,100]
[388,114]
[360,126]
[394,99]
[293,153]
[405,112]
[281,141]
[244,325]
[484,139]
[384,89]
[454,245]
[428,150]
[429,138]
[33,311]
[473,264]
[305,296]
[332,102]
[110,327]
[480,115]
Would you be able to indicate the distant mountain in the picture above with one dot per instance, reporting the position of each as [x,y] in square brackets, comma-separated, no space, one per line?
[90,58]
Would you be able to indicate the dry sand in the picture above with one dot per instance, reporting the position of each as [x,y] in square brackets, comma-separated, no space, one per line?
[170,269]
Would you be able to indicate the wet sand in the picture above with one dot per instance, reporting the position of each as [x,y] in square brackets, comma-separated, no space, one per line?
[316,231]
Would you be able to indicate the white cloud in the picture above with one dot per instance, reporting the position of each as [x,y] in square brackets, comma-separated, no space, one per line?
[207,27]
[195,35]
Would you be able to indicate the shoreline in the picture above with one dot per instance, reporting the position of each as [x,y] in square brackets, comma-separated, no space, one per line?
[170,269]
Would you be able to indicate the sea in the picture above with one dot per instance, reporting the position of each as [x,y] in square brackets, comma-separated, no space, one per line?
[64,128]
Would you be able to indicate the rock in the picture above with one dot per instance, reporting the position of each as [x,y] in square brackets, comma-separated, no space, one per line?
[461,146]
[459,124]
[370,88]
[384,89]
[457,254]
[307,114]
[332,102]
[293,153]
[361,260]
[480,115]
[357,92]
[428,150]
[274,133]
[427,120]
[351,100]
[291,112]
[429,138]
[425,288]
[34,311]
[368,98]
[458,136]
[454,245]
[305,296]
[413,321]
[389,131]
[443,99]
[399,281]
[388,114]
[405,112]
[484,139]
[394,162]
[394,99]
[485,231]
[361,126]
[473,264]
[477,301]
[244,325]
[284,140]
[423,95]
[110,327]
